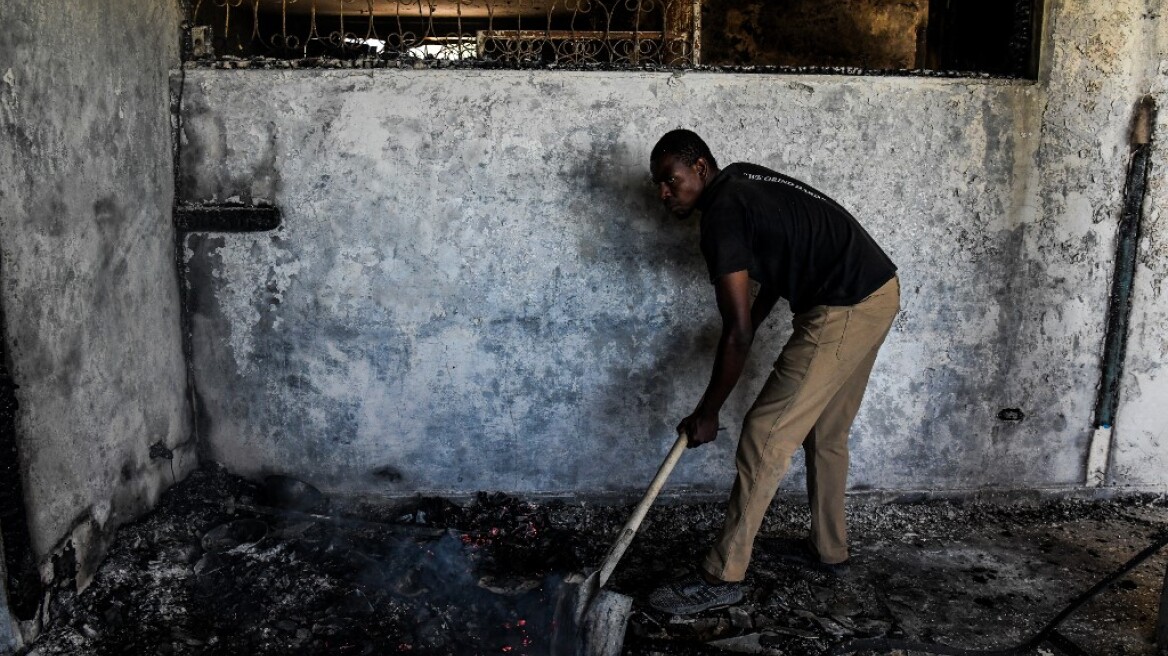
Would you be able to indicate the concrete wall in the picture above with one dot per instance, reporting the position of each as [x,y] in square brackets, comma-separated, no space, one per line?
[475,289]
[87,275]
[1141,433]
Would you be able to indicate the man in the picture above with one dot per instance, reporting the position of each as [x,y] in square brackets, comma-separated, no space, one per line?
[795,243]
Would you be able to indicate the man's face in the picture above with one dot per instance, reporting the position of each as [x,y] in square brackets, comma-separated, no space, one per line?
[679,185]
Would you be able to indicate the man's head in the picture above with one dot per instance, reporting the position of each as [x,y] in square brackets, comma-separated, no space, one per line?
[682,165]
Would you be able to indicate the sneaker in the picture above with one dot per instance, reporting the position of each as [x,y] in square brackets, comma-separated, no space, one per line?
[801,552]
[691,594]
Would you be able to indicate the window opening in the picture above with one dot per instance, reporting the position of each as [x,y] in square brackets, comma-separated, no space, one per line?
[515,32]
[922,37]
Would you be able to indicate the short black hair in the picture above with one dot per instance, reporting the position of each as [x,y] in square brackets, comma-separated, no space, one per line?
[684,144]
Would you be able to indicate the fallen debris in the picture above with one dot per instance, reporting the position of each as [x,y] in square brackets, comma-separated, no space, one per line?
[216,571]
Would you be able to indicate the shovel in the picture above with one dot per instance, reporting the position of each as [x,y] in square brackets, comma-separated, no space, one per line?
[599,616]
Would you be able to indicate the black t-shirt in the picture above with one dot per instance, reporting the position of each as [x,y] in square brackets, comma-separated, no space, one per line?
[790,238]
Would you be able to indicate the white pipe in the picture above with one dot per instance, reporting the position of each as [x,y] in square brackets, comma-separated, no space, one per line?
[1098,456]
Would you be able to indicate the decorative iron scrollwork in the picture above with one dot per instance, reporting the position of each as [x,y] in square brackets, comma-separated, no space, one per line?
[504,32]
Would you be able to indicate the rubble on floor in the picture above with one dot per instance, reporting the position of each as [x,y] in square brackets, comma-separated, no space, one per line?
[214,570]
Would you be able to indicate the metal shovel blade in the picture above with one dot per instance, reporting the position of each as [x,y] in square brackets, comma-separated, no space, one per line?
[590,621]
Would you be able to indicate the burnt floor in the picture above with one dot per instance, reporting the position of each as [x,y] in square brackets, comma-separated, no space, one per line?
[214,571]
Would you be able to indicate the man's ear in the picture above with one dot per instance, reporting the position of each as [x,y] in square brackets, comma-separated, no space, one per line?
[702,167]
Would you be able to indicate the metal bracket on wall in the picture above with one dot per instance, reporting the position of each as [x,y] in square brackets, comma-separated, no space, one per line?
[226,217]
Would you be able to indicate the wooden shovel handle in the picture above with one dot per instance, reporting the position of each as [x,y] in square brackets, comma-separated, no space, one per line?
[631,526]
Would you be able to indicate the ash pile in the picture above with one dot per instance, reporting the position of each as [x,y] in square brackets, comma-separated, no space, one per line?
[224,566]
[215,570]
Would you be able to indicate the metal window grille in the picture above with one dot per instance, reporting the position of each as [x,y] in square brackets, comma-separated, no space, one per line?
[506,32]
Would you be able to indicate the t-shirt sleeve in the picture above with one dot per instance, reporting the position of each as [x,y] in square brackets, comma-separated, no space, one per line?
[726,240]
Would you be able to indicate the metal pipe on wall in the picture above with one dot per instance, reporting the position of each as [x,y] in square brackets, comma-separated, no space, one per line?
[1119,310]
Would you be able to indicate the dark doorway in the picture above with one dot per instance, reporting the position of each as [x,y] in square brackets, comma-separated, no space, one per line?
[23,582]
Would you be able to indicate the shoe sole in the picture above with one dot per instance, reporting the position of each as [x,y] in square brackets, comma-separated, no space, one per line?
[700,610]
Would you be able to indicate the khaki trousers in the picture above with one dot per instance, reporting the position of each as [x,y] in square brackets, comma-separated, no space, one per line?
[810,399]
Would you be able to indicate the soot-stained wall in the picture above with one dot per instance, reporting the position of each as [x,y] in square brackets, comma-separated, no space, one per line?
[474,288]
[87,275]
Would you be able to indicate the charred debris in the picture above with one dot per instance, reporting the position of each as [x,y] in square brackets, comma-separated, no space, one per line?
[226,566]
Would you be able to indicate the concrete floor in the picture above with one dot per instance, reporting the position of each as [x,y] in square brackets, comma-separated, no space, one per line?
[973,575]
[433,577]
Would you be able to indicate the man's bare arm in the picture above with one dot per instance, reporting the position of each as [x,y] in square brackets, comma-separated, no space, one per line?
[732,292]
